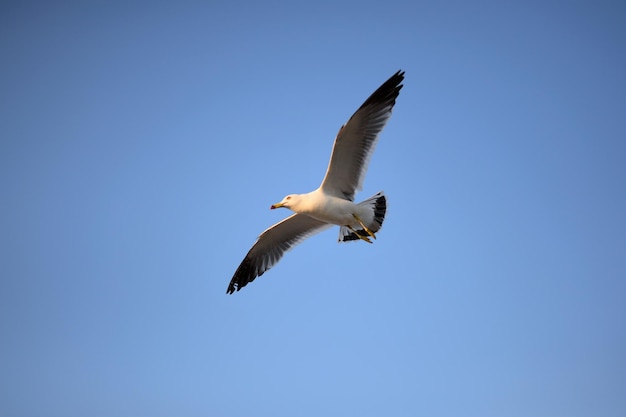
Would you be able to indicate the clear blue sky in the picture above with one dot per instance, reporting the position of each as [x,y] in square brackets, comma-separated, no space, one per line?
[141,148]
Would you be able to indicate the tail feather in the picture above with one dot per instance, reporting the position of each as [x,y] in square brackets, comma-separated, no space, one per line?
[378,203]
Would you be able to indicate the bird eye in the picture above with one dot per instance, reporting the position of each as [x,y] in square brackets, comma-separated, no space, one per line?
[288,197]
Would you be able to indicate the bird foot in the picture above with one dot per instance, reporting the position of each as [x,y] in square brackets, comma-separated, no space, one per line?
[360,236]
[369,232]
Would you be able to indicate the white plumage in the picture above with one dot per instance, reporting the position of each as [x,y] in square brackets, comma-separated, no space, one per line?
[332,203]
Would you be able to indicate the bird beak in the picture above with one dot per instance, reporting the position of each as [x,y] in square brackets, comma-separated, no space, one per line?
[275,206]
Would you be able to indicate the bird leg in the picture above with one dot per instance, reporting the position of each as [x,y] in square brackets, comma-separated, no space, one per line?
[365,238]
[358,219]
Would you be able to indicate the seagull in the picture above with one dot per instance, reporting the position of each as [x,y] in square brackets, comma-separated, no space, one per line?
[333,202]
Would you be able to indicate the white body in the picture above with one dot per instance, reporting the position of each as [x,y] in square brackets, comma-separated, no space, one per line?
[328,208]
[333,202]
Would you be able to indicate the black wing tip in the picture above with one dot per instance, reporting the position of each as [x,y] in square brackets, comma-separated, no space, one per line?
[234,286]
[388,91]
[394,83]
[398,77]
[243,276]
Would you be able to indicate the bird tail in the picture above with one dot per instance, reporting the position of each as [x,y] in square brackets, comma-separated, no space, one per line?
[378,206]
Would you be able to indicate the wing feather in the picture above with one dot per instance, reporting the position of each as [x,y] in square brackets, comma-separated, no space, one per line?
[356,140]
[272,245]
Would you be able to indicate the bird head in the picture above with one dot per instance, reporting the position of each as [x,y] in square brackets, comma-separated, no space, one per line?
[286,202]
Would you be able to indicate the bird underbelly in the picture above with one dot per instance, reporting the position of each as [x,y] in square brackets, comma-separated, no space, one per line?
[335,211]
[340,220]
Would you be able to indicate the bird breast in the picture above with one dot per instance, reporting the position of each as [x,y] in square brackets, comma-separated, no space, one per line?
[331,209]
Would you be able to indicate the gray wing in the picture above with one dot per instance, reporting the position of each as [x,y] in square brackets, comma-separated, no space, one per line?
[356,140]
[272,245]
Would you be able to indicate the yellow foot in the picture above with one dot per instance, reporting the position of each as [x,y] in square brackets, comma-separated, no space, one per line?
[369,232]
[365,238]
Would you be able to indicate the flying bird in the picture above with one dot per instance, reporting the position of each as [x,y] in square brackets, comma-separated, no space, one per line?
[333,202]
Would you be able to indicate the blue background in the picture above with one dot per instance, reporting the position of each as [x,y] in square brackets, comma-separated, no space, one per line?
[143,143]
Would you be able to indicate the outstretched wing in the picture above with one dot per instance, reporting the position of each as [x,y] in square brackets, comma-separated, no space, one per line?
[356,140]
[272,245]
